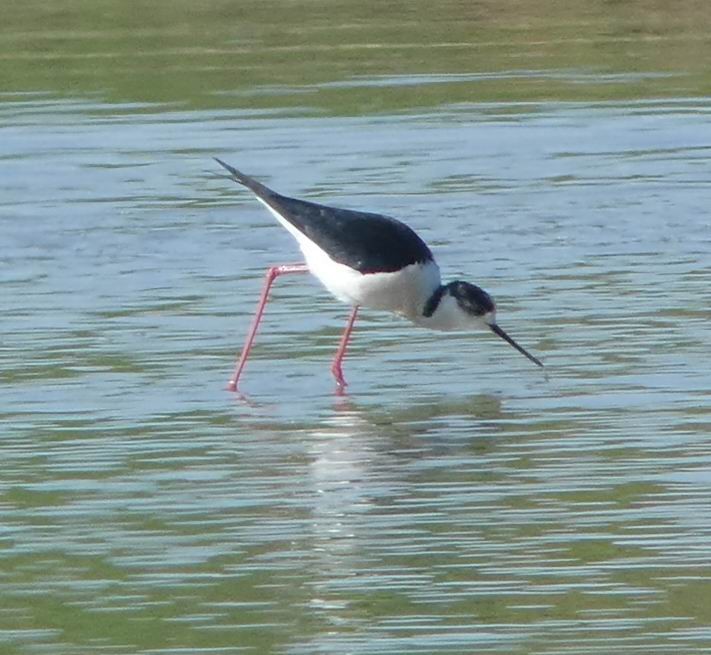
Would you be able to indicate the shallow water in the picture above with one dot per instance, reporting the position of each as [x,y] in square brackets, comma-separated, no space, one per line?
[456,500]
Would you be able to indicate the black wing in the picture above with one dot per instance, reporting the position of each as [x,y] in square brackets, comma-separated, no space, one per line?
[368,243]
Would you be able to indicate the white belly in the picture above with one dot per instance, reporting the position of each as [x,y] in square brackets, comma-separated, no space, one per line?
[404,292]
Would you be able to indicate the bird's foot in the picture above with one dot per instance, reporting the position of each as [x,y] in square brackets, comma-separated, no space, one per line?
[231,385]
[341,383]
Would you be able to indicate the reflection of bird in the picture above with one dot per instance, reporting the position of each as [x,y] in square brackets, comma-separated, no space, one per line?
[373,261]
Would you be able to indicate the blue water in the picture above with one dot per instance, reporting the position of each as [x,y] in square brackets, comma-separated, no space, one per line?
[457,499]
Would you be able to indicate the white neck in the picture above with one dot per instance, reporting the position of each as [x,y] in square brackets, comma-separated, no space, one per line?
[448,316]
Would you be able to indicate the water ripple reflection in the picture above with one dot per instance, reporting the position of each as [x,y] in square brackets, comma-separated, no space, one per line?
[456,500]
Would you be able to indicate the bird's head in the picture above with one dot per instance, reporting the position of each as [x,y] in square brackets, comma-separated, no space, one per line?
[470,306]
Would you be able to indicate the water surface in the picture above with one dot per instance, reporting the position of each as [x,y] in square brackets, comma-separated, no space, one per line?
[456,500]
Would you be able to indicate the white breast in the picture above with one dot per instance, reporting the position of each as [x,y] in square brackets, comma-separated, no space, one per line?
[404,292]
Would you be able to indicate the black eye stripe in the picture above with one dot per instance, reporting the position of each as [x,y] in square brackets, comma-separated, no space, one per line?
[472,299]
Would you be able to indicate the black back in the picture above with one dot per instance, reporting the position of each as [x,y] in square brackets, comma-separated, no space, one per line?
[369,243]
[366,242]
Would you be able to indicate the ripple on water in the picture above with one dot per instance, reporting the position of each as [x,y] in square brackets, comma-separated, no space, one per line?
[456,500]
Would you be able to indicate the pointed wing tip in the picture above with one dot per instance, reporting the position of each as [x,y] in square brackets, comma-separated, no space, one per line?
[253,185]
[226,166]
[237,176]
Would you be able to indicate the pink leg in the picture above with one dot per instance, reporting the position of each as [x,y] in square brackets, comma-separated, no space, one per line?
[336,368]
[272,274]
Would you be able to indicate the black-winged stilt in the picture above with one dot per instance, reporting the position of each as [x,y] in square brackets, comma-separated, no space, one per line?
[368,260]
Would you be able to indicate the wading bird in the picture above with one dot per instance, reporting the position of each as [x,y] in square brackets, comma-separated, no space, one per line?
[368,260]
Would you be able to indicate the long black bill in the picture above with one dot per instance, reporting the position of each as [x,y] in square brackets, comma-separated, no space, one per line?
[497,330]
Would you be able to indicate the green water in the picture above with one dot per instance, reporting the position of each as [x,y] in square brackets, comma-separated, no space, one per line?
[455,500]
[354,58]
